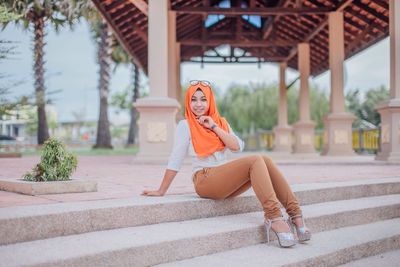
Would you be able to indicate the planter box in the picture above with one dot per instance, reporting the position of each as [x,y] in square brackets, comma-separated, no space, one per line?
[10,155]
[43,188]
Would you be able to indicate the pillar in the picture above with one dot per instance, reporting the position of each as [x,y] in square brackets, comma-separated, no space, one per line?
[338,130]
[158,111]
[390,110]
[282,132]
[304,128]
[179,97]
[172,92]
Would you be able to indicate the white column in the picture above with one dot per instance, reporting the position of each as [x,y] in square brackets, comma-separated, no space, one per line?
[304,68]
[336,59]
[178,87]
[390,110]
[338,130]
[172,55]
[394,29]
[178,72]
[158,47]
[304,128]
[157,120]
[282,108]
[282,132]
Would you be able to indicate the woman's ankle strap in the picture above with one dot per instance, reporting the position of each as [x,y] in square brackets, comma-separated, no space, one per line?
[296,216]
[281,218]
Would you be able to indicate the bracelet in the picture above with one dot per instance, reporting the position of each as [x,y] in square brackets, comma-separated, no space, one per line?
[212,127]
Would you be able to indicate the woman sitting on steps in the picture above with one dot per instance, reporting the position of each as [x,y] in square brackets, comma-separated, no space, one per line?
[208,136]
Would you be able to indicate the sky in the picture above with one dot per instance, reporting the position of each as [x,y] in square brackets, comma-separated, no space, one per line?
[72,71]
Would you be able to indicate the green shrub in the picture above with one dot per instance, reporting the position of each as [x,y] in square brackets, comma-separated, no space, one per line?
[56,163]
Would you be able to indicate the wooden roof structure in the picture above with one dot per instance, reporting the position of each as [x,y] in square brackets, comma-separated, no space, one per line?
[255,30]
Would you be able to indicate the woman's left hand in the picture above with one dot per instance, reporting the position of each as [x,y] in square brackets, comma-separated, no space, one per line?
[206,121]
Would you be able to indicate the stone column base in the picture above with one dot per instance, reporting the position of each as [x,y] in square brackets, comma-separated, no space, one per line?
[390,131]
[283,139]
[157,123]
[304,137]
[338,136]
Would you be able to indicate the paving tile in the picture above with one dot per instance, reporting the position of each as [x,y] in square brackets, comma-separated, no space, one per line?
[118,177]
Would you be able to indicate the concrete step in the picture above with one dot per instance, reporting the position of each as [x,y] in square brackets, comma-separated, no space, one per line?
[27,223]
[329,248]
[387,259]
[166,242]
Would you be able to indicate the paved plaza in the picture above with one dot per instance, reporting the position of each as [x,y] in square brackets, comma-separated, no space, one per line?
[118,177]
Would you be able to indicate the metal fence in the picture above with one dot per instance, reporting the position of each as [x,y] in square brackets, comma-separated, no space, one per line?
[364,140]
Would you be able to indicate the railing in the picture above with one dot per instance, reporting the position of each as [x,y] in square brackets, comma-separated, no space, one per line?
[364,140]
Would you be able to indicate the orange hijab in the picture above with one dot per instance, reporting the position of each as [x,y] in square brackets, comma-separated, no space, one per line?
[205,141]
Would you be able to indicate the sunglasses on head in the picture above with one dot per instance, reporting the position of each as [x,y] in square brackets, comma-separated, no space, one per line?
[196,82]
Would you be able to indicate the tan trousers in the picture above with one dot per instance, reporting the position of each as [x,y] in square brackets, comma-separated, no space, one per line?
[235,177]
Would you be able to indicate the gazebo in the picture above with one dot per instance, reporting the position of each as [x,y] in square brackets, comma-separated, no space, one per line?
[310,36]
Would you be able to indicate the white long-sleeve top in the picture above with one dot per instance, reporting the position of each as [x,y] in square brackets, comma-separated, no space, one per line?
[183,145]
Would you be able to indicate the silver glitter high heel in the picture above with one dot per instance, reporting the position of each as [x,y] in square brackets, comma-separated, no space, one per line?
[303,233]
[285,239]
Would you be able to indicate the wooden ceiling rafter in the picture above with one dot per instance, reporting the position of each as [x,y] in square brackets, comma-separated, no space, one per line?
[382,4]
[130,16]
[355,23]
[121,11]
[268,25]
[259,11]
[366,19]
[115,4]
[185,21]
[292,29]
[371,11]
[118,36]
[141,5]
[288,27]
[217,42]
[324,24]
[188,33]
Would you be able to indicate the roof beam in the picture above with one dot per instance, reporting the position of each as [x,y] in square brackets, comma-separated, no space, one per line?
[235,60]
[367,21]
[114,5]
[141,34]
[141,5]
[261,11]
[373,12]
[382,4]
[268,25]
[118,35]
[217,42]
[358,39]
[341,7]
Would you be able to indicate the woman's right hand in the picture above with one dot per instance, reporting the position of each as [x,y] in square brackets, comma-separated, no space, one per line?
[150,193]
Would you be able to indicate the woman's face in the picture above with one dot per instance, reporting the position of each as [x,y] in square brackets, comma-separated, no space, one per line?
[198,103]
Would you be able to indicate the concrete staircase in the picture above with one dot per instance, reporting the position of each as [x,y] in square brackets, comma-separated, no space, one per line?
[349,220]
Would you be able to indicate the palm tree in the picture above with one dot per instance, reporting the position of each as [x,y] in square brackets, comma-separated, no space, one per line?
[133,127]
[119,56]
[103,139]
[37,14]
[101,34]
[7,48]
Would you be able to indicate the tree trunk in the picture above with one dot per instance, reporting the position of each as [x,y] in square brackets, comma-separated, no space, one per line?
[134,113]
[104,54]
[43,131]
